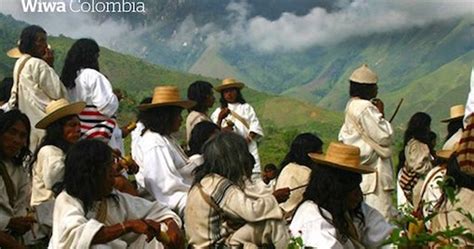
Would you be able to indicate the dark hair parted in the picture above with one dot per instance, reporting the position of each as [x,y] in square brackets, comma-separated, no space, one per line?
[329,188]
[226,154]
[199,135]
[453,127]
[54,136]
[28,39]
[160,119]
[7,120]
[82,54]
[300,147]
[239,99]
[199,91]
[85,171]
[363,91]
[419,129]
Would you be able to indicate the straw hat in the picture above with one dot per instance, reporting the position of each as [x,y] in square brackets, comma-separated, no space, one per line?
[364,75]
[465,151]
[343,156]
[455,112]
[166,96]
[58,109]
[229,83]
[14,53]
[444,154]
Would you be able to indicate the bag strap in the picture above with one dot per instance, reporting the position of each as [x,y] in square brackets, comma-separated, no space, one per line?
[208,199]
[20,68]
[425,185]
[240,118]
[8,184]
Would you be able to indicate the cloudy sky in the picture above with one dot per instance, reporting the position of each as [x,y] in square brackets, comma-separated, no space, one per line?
[288,32]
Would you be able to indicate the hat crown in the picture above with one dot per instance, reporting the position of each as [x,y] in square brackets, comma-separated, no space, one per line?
[343,154]
[56,105]
[364,75]
[228,81]
[456,111]
[165,94]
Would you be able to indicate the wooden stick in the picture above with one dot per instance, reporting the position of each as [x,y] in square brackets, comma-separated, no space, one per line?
[295,188]
[396,110]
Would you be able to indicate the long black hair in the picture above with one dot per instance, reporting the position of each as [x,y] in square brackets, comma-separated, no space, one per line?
[199,135]
[363,91]
[453,127]
[227,155]
[28,39]
[199,91]
[239,99]
[418,128]
[300,147]
[84,53]
[160,119]
[329,188]
[7,120]
[85,170]
[54,136]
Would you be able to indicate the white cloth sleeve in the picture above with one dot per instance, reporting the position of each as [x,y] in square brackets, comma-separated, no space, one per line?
[254,122]
[102,95]
[378,128]
[320,234]
[418,157]
[376,229]
[49,81]
[53,167]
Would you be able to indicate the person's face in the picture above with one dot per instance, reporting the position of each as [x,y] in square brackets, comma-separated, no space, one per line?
[177,122]
[210,99]
[108,183]
[354,198]
[72,130]
[230,95]
[14,139]
[41,44]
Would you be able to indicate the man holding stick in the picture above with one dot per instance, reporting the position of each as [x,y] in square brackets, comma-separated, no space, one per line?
[365,127]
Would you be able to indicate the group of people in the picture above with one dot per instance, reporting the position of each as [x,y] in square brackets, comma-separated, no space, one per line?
[65,179]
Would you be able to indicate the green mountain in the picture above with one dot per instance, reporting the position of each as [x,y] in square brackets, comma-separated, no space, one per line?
[282,117]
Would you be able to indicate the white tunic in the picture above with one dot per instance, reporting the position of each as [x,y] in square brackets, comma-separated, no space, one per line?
[22,188]
[375,186]
[135,136]
[73,228]
[47,171]
[37,85]
[317,232]
[470,101]
[247,112]
[163,165]
[95,89]
[293,176]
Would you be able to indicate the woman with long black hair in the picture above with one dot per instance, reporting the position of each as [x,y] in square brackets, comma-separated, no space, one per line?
[85,82]
[333,214]
[415,160]
[14,181]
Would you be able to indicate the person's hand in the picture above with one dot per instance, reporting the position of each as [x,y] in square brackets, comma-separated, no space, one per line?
[174,236]
[49,56]
[21,225]
[223,113]
[149,228]
[379,104]
[281,194]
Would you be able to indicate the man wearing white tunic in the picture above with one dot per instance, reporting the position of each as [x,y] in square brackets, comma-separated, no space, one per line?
[163,163]
[35,83]
[365,127]
[238,116]
[90,214]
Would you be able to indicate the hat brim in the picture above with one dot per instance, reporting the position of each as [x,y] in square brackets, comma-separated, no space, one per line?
[320,158]
[444,154]
[14,53]
[238,85]
[186,104]
[447,120]
[72,109]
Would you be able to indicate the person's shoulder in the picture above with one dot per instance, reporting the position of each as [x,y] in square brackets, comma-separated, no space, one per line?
[50,150]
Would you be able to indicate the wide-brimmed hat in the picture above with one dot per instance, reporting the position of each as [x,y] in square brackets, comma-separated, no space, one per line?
[455,112]
[58,109]
[364,75]
[343,156]
[444,154]
[14,53]
[167,96]
[465,151]
[229,83]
